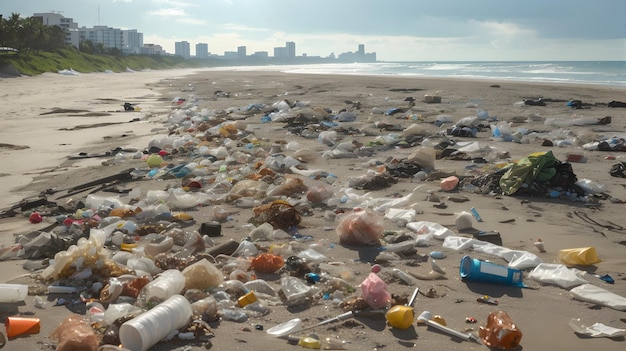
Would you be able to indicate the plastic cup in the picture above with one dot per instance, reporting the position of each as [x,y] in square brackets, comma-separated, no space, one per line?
[486,272]
[11,293]
[145,330]
[17,326]
[400,316]
[286,328]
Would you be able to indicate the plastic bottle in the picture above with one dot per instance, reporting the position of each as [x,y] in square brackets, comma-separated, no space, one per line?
[474,212]
[295,290]
[11,293]
[169,283]
[145,330]
[482,271]
[403,276]
[407,246]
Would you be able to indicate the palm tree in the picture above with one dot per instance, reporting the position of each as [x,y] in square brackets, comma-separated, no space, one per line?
[11,27]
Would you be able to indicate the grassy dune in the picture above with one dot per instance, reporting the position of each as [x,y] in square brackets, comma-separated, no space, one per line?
[34,64]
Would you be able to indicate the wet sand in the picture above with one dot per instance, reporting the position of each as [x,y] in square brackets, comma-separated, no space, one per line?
[36,163]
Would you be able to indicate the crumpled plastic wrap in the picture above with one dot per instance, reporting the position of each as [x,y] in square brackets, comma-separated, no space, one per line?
[557,274]
[360,228]
[75,334]
[375,291]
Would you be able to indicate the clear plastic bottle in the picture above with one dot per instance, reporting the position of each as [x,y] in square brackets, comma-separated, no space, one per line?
[407,246]
[169,283]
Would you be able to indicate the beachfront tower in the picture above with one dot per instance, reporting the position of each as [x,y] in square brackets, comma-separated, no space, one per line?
[56,19]
[181,48]
[242,52]
[291,49]
[202,50]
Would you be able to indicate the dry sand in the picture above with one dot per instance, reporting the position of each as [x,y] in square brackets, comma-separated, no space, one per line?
[542,313]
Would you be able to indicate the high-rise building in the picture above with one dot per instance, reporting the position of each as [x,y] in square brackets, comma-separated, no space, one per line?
[241,52]
[361,50]
[280,52]
[181,48]
[132,41]
[202,50]
[291,49]
[152,49]
[107,36]
[68,24]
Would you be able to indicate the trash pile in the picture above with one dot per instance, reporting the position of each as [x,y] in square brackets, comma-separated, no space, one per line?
[146,270]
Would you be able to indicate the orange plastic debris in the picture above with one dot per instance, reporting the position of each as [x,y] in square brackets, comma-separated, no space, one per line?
[267,263]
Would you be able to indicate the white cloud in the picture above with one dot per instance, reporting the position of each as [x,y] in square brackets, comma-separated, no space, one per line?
[169,12]
[175,3]
[240,27]
[191,21]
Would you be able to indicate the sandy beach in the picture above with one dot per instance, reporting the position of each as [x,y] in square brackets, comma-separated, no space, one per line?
[49,120]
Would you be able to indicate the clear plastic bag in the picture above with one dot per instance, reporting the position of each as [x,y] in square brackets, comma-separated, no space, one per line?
[360,228]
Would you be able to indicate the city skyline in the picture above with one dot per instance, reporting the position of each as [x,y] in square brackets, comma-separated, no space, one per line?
[130,41]
[400,30]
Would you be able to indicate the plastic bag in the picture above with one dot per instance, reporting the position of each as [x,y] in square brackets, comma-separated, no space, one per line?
[516,258]
[584,256]
[599,296]
[375,291]
[557,274]
[430,229]
[596,330]
[360,228]
[591,187]
[74,334]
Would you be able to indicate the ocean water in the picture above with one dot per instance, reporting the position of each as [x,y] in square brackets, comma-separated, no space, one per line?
[606,73]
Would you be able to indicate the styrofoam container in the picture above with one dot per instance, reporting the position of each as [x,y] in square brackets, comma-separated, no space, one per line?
[145,330]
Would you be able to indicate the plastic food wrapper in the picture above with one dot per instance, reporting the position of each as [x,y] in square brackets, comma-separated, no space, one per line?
[427,230]
[596,330]
[584,256]
[599,296]
[75,334]
[557,274]
[500,332]
[375,291]
[360,228]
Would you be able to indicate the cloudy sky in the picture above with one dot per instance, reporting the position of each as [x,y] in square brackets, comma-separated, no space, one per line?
[397,30]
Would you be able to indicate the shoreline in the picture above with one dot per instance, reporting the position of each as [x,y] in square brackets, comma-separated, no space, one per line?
[306,69]
[520,220]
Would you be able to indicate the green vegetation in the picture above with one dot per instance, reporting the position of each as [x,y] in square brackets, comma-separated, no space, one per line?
[29,35]
[43,49]
[69,57]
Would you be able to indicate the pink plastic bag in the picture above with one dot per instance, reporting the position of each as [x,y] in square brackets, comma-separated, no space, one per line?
[375,292]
